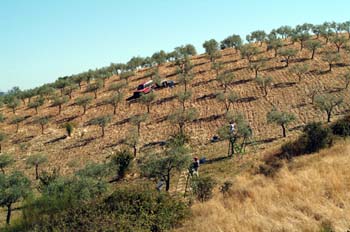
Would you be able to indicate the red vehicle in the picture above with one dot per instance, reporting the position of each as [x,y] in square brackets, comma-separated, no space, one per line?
[144,88]
[148,86]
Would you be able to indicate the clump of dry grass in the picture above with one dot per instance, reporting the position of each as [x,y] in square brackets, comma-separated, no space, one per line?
[305,193]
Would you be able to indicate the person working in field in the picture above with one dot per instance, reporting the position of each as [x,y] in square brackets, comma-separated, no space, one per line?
[194,167]
[232,127]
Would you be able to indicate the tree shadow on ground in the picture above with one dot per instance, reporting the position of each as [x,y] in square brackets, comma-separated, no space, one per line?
[81,143]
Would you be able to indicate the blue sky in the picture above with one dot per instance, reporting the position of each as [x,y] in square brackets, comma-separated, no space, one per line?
[42,40]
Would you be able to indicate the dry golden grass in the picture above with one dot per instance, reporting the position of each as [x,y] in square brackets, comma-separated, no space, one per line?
[306,192]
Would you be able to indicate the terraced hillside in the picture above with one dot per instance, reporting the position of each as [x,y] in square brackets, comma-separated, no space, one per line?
[286,94]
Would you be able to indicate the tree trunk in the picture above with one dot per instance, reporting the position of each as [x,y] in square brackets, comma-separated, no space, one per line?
[330,67]
[138,129]
[227,107]
[8,216]
[84,110]
[42,129]
[148,106]
[95,94]
[17,128]
[181,128]
[36,110]
[283,130]
[313,54]
[276,52]
[256,73]
[167,182]
[135,150]
[59,109]
[103,131]
[329,116]
[36,172]
[114,109]
[287,62]
[232,147]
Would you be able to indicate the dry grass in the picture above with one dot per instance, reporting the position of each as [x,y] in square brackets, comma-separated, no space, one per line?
[305,193]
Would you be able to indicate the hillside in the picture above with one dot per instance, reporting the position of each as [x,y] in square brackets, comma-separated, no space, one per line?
[286,94]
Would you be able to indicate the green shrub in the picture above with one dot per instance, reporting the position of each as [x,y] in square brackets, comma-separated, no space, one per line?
[341,128]
[69,128]
[314,138]
[143,209]
[203,188]
[318,137]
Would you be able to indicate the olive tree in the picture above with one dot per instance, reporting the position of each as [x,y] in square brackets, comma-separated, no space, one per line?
[256,66]
[217,66]
[232,41]
[212,49]
[70,89]
[132,140]
[182,97]
[13,188]
[42,121]
[162,166]
[159,57]
[79,79]
[257,36]
[301,38]
[264,83]
[185,80]
[148,99]
[137,120]
[16,121]
[58,102]
[280,118]
[331,58]
[339,41]
[248,51]
[34,161]
[242,131]
[13,104]
[300,70]
[182,117]
[94,87]
[84,102]
[5,161]
[227,99]
[102,122]
[38,102]
[313,45]
[327,103]
[287,54]
[115,100]
[274,45]
[225,79]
